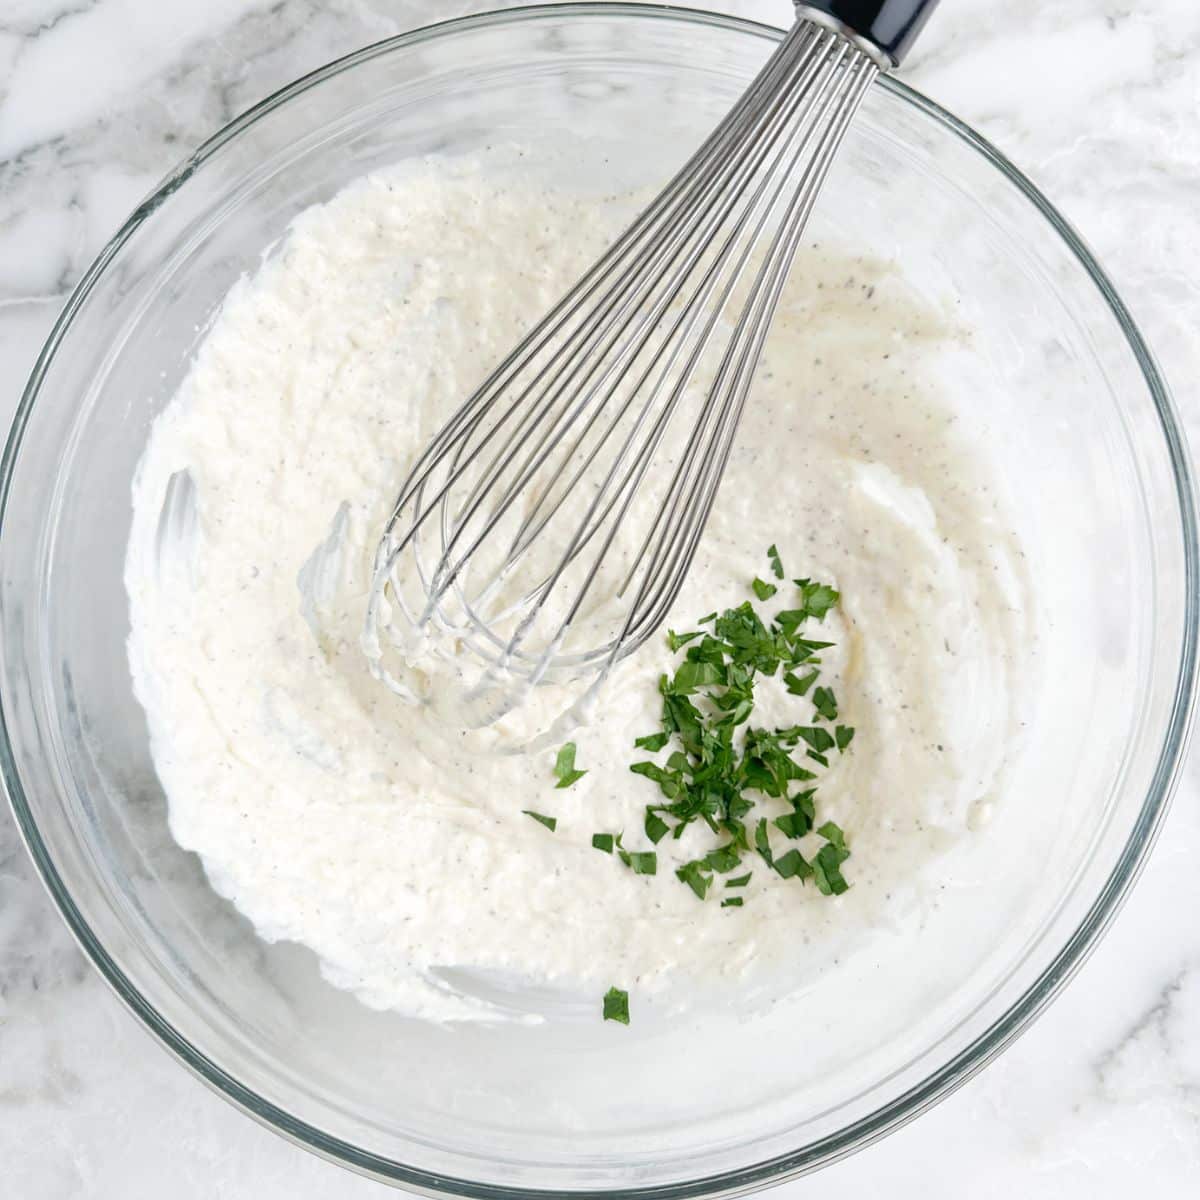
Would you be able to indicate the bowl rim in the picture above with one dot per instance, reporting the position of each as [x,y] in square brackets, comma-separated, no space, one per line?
[952,1074]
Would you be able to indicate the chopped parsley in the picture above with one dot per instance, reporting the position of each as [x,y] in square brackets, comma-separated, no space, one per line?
[694,876]
[616,1005]
[551,823]
[721,769]
[816,599]
[827,870]
[792,865]
[564,767]
[724,859]
[656,827]
[798,685]
[640,862]
[825,703]
[727,775]
[799,822]
[654,742]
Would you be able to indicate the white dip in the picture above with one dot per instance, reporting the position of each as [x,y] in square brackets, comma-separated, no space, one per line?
[334,814]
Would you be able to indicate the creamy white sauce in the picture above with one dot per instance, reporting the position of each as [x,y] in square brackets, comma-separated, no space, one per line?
[334,814]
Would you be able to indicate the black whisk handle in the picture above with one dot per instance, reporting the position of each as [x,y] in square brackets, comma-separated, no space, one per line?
[891,26]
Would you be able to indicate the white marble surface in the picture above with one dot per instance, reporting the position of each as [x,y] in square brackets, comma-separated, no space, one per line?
[1098,99]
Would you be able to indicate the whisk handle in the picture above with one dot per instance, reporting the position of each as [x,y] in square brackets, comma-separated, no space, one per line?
[891,26]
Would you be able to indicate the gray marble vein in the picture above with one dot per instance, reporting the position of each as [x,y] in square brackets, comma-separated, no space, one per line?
[1097,99]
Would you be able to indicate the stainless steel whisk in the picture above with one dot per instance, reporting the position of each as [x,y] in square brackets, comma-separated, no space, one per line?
[548,526]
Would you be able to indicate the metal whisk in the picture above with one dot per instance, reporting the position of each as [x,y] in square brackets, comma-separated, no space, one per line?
[546,529]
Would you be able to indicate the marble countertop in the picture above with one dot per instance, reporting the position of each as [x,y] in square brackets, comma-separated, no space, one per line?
[1098,100]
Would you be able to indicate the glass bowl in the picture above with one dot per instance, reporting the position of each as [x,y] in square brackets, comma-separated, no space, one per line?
[1081,427]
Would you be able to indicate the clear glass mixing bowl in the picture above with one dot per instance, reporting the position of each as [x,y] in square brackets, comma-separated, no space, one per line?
[1091,451]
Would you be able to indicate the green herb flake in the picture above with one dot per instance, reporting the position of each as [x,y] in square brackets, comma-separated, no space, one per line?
[732,902]
[640,862]
[799,821]
[676,641]
[825,703]
[694,675]
[793,825]
[844,735]
[694,875]
[762,842]
[817,599]
[764,591]
[832,833]
[669,780]
[564,767]
[798,686]
[653,742]
[776,565]
[793,865]
[740,881]
[827,868]
[551,823]
[817,738]
[616,1005]
[603,842]
[724,859]
[656,827]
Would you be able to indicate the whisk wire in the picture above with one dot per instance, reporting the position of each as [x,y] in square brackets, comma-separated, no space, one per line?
[741,360]
[798,148]
[584,290]
[554,450]
[675,340]
[612,316]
